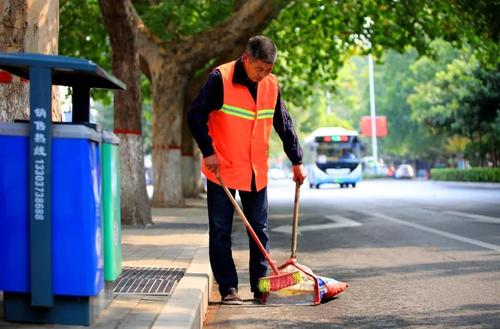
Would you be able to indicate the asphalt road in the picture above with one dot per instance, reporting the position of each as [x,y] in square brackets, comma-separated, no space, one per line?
[417,254]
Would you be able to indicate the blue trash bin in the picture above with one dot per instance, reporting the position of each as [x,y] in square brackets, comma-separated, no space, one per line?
[77,251]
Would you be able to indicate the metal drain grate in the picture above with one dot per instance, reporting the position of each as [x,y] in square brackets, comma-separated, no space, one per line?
[148,280]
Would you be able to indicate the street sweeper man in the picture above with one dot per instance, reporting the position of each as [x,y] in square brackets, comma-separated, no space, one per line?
[231,121]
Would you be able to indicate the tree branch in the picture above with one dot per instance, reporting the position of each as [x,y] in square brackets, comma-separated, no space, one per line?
[247,19]
[149,44]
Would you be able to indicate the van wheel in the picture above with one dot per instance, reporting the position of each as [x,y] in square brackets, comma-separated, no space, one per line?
[353,185]
[311,185]
[317,185]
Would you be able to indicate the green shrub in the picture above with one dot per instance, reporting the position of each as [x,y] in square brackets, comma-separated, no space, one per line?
[466,175]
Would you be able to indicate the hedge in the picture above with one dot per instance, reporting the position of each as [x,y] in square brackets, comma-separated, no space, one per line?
[466,175]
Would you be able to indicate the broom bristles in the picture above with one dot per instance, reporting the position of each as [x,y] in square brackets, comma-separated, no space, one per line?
[277,282]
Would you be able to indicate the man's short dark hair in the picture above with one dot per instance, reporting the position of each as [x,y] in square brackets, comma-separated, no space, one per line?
[261,48]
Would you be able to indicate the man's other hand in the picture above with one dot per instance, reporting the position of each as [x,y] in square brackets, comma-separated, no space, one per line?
[299,173]
[213,164]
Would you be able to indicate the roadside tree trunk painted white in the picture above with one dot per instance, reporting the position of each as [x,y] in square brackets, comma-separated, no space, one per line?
[135,208]
[164,194]
[168,91]
[135,204]
[188,176]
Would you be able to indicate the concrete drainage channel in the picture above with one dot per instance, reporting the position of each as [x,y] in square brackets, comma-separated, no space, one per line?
[151,281]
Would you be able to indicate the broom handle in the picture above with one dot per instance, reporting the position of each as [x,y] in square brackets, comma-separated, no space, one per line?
[295,220]
[249,228]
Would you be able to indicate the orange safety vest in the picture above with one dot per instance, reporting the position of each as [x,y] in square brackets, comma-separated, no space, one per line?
[240,131]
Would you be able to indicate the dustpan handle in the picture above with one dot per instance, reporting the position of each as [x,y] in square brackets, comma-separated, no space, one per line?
[295,219]
[249,228]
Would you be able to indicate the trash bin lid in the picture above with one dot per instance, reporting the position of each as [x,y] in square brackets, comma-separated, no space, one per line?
[66,71]
[58,131]
[110,138]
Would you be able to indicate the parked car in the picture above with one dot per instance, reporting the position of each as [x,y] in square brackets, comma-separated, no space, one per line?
[404,171]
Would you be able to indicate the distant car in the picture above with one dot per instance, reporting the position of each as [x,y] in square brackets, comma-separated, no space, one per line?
[404,171]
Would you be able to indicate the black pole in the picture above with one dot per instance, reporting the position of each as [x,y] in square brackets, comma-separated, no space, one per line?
[40,186]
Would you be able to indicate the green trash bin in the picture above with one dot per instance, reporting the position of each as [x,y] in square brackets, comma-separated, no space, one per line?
[111,206]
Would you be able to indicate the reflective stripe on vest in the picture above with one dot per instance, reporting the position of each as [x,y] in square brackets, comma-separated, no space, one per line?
[240,131]
[245,114]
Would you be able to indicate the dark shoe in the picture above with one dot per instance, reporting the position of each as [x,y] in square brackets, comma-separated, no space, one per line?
[232,298]
[261,296]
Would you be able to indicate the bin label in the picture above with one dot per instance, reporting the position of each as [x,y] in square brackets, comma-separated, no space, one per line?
[39,167]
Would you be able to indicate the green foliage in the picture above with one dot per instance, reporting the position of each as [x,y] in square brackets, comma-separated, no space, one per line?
[348,99]
[173,18]
[452,90]
[463,99]
[82,34]
[392,86]
[310,51]
[437,101]
[316,36]
[466,175]
[437,106]
[318,114]
[403,75]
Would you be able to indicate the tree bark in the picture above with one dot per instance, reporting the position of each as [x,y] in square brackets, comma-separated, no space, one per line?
[168,98]
[26,26]
[191,157]
[191,186]
[171,66]
[135,206]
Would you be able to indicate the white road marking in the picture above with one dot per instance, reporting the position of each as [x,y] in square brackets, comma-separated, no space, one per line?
[475,217]
[339,222]
[283,216]
[441,233]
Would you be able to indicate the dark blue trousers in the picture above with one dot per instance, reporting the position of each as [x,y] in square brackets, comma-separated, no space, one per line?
[220,215]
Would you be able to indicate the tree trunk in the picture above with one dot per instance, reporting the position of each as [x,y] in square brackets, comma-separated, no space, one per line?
[135,207]
[13,93]
[168,100]
[191,157]
[26,26]
[191,186]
